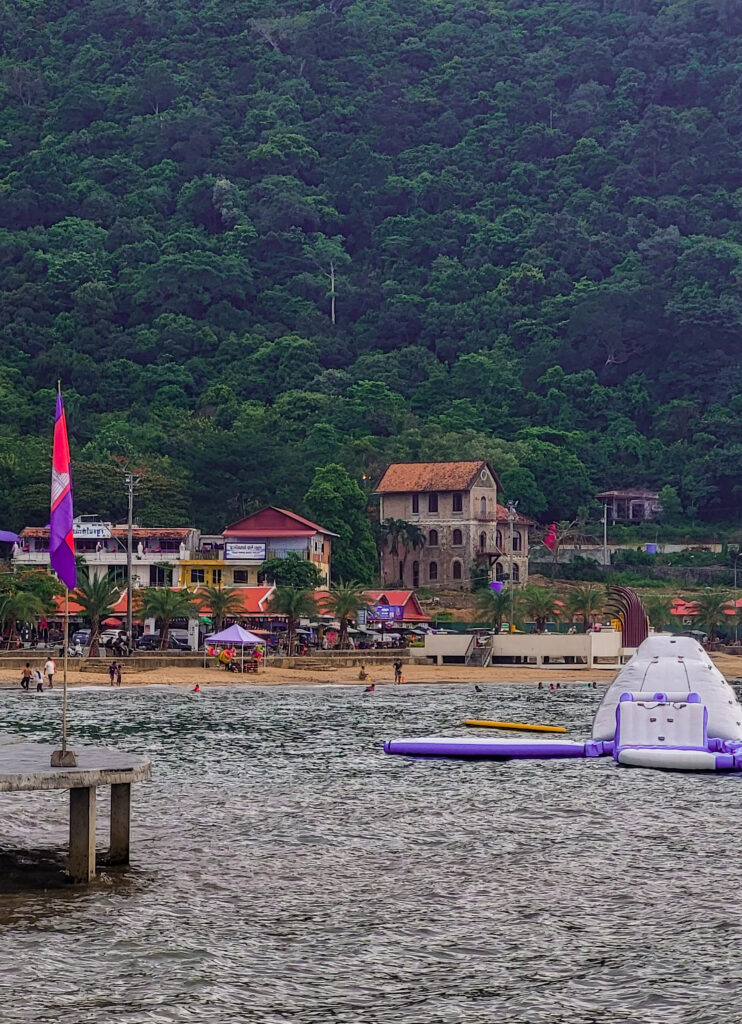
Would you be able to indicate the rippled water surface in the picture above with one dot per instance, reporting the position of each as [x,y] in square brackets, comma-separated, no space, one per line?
[286,869]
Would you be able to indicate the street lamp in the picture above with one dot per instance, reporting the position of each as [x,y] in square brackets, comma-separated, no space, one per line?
[736,622]
[131,480]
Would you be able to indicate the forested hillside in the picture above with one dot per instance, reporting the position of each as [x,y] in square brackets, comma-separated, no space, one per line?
[254,238]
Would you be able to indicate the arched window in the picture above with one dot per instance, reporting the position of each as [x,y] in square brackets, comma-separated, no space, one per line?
[482,508]
[458,538]
[482,541]
[516,541]
[433,572]
[433,539]
[415,575]
[516,573]
[498,538]
[456,567]
[499,571]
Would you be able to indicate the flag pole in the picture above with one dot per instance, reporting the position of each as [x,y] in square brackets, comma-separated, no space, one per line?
[64,668]
[62,554]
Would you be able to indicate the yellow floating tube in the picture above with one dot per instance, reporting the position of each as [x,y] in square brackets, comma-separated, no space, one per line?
[484,724]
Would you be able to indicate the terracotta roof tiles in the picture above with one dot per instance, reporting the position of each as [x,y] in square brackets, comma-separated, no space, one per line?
[406,477]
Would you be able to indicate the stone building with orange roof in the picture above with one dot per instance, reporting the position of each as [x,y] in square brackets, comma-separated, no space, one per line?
[466,531]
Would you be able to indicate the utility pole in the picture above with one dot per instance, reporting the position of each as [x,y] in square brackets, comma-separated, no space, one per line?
[605,535]
[511,519]
[131,480]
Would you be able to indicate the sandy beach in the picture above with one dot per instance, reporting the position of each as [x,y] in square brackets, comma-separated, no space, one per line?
[381,675]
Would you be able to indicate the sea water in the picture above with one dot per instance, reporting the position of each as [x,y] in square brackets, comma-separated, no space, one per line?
[284,869]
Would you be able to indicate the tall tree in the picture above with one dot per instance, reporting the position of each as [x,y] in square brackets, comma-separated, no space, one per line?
[586,601]
[493,607]
[221,602]
[345,601]
[97,596]
[337,503]
[539,604]
[294,604]
[164,605]
[713,608]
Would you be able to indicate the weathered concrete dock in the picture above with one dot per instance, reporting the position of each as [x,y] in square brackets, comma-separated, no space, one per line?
[25,766]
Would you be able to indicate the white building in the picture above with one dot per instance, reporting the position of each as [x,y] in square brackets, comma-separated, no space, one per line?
[156,551]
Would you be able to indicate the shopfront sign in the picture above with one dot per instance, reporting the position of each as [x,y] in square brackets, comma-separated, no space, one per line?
[91,531]
[387,612]
[247,552]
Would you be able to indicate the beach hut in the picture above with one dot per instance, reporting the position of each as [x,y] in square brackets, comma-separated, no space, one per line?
[236,636]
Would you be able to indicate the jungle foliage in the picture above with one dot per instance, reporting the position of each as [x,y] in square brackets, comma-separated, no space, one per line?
[258,239]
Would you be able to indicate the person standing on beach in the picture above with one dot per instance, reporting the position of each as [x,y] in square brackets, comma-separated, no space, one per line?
[112,671]
[397,671]
[49,669]
[26,676]
[118,674]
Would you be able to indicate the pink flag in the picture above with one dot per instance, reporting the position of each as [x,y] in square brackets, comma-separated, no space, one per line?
[550,540]
[61,544]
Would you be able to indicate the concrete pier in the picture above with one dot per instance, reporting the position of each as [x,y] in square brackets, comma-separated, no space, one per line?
[25,766]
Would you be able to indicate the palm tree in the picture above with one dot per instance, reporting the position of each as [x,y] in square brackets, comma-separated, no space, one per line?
[586,601]
[345,601]
[97,597]
[164,605]
[658,609]
[494,607]
[20,606]
[221,601]
[712,608]
[293,603]
[390,532]
[412,538]
[539,604]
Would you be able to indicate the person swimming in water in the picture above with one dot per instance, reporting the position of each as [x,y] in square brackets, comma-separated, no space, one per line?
[478,689]
[370,688]
[196,689]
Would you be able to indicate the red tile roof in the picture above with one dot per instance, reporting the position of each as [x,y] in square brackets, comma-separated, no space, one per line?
[406,477]
[138,533]
[254,601]
[275,522]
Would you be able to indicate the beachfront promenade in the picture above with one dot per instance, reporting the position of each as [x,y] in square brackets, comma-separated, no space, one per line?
[26,766]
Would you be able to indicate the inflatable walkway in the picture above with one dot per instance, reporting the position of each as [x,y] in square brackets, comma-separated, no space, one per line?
[669,707]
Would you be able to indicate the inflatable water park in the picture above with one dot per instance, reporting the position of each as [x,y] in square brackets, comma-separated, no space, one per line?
[669,707]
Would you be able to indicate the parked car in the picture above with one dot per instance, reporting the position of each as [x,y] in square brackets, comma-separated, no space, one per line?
[81,636]
[151,642]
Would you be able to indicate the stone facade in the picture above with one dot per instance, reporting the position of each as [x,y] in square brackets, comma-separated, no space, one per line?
[466,531]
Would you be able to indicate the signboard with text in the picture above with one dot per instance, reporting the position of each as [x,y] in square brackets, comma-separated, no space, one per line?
[89,530]
[249,552]
[387,612]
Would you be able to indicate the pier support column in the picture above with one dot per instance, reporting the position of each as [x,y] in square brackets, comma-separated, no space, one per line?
[82,834]
[120,823]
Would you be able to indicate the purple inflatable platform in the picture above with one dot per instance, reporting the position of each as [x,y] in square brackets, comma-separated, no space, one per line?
[473,746]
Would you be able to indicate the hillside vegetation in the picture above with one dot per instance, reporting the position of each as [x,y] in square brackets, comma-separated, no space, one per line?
[257,238]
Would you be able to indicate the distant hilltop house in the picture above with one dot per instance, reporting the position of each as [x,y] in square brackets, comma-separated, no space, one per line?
[183,556]
[631,506]
[465,530]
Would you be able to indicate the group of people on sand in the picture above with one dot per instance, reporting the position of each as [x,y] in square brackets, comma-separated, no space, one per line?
[36,676]
[114,673]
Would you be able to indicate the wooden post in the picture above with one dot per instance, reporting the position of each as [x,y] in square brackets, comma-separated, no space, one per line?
[82,834]
[120,823]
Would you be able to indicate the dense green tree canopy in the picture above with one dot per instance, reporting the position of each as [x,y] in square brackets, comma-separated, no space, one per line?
[255,240]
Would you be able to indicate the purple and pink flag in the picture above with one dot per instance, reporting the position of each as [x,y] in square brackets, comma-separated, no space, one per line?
[61,543]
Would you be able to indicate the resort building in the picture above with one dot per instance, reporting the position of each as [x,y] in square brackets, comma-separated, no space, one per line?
[157,553]
[235,557]
[631,506]
[463,531]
